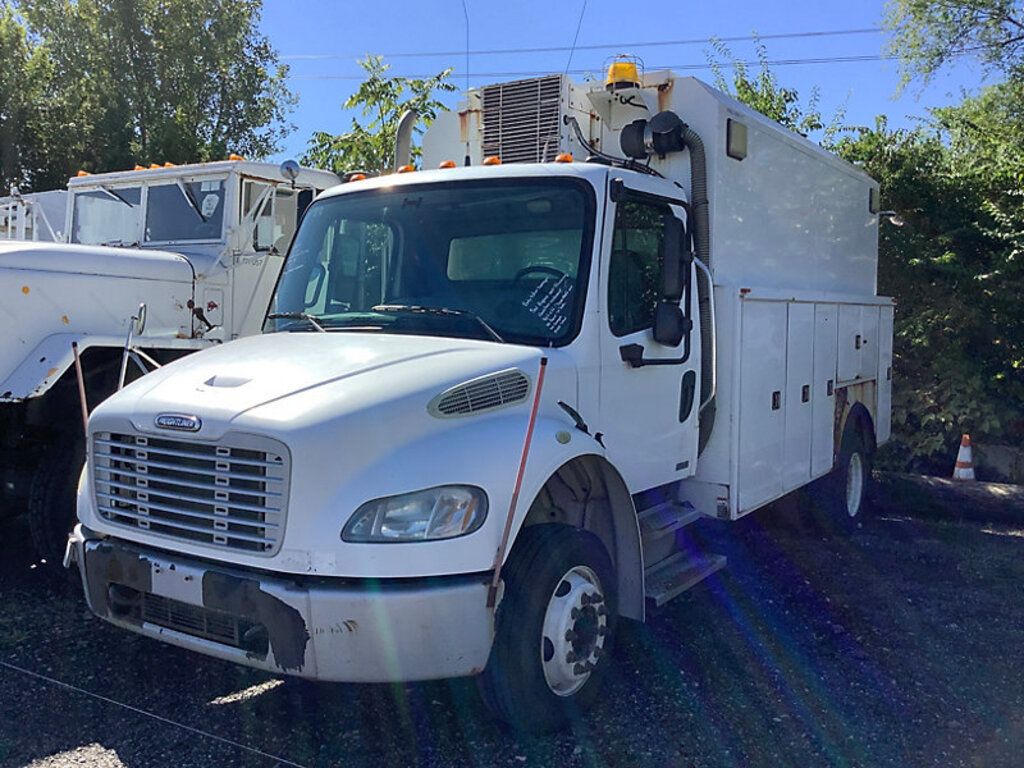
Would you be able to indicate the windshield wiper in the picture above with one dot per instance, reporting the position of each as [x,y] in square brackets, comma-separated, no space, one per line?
[191,200]
[115,196]
[443,312]
[297,316]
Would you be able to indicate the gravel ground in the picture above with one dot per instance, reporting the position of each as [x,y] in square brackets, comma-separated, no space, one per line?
[898,646]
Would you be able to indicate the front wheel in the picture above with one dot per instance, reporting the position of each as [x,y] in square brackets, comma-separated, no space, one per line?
[553,630]
[52,500]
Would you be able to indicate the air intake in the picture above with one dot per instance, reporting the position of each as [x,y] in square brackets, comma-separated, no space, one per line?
[522,120]
[495,390]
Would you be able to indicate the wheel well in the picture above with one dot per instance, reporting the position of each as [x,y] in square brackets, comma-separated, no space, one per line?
[861,419]
[588,494]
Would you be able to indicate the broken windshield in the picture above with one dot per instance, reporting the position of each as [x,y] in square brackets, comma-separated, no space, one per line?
[489,260]
[107,216]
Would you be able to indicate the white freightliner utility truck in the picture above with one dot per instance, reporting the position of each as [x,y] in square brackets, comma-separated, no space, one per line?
[201,246]
[491,398]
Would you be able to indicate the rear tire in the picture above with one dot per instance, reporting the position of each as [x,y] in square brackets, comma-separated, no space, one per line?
[553,630]
[53,497]
[844,494]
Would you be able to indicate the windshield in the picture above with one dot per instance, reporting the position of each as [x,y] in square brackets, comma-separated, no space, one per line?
[508,259]
[191,210]
[105,216]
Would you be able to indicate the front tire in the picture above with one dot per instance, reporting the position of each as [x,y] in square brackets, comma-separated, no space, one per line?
[53,498]
[553,630]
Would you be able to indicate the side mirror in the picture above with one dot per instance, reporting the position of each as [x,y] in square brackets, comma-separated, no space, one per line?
[670,324]
[140,320]
[673,260]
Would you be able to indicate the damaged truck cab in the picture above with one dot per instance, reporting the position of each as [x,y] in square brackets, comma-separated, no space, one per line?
[489,400]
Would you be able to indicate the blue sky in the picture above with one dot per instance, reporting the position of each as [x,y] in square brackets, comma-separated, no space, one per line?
[321,40]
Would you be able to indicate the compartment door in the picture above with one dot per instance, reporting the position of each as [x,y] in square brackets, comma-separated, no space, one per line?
[869,342]
[797,405]
[883,417]
[849,341]
[823,398]
[762,385]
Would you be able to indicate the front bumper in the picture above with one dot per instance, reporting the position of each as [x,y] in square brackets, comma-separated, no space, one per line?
[343,630]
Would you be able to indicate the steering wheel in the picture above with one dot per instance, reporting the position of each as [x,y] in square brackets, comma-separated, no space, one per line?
[538,268]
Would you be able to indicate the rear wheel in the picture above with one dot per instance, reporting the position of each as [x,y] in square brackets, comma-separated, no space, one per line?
[554,629]
[844,495]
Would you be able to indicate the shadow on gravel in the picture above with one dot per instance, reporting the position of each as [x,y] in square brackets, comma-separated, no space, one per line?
[899,645]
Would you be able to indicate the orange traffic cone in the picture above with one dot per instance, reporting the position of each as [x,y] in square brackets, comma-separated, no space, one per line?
[964,469]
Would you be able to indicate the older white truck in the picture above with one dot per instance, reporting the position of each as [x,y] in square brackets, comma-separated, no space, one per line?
[199,245]
[492,397]
[34,215]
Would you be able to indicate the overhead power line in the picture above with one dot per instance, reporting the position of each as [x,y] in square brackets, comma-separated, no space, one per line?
[594,47]
[675,67]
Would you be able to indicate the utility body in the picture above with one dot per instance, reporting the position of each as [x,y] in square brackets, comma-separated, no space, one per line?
[494,397]
[191,251]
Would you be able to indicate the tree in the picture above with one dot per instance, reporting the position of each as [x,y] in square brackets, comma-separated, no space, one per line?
[141,81]
[763,92]
[20,77]
[930,33]
[381,101]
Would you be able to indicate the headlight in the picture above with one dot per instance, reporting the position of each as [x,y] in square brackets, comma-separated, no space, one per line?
[436,513]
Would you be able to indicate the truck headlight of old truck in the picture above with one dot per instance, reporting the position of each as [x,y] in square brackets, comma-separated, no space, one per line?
[435,513]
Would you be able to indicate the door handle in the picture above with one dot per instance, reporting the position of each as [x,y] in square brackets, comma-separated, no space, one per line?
[686,394]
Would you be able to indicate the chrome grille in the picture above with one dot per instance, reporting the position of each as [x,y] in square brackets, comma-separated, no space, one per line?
[521,120]
[230,494]
[486,393]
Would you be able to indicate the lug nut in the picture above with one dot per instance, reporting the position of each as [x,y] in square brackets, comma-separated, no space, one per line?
[571,657]
[570,635]
[602,611]
[602,631]
[576,613]
[579,669]
[598,652]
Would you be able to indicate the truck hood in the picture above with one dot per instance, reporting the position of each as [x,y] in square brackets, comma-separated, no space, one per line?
[220,385]
[95,260]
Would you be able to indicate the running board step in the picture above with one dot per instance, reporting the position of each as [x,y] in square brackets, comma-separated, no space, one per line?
[674,575]
[664,519]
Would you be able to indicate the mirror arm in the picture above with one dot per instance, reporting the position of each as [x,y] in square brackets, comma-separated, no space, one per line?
[633,355]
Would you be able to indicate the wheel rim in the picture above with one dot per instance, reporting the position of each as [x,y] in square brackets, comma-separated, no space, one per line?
[574,631]
[854,484]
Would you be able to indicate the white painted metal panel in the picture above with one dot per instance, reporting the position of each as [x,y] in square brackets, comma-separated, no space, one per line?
[883,418]
[849,349]
[823,399]
[796,400]
[868,342]
[763,378]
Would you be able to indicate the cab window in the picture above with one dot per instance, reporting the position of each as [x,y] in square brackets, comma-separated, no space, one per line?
[634,271]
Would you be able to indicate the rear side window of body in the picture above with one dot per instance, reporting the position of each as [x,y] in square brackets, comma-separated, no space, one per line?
[634,269]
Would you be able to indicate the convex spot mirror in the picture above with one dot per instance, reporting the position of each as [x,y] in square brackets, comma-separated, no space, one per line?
[670,324]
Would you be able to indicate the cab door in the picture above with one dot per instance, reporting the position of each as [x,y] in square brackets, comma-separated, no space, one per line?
[650,366]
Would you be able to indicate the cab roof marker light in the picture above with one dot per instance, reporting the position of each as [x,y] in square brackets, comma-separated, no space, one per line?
[82,173]
[446,164]
[168,165]
[407,169]
[563,157]
[357,177]
[139,167]
[492,160]
[234,156]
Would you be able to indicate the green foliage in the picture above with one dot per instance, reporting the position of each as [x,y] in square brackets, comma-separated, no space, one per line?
[20,75]
[959,327]
[370,145]
[930,33]
[763,92]
[141,81]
